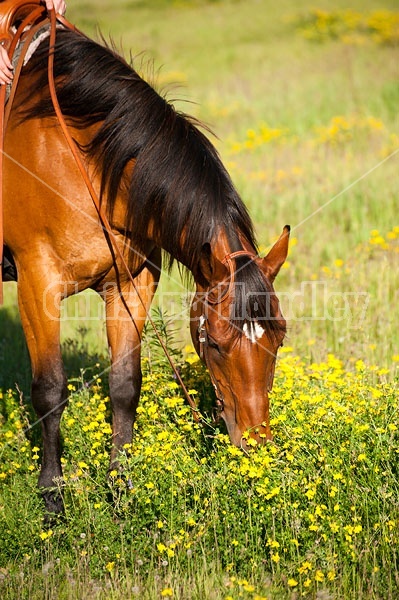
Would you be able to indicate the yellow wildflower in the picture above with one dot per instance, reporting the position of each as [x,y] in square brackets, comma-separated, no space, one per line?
[167,593]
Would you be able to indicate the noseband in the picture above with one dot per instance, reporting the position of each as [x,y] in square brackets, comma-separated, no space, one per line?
[203,338]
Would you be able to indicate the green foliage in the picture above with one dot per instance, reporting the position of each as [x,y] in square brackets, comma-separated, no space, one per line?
[315,511]
[309,132]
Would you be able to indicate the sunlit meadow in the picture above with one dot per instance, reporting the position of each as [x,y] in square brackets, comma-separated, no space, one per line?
[304,101]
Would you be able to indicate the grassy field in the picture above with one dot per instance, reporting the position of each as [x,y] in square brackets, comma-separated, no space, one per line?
[304,103]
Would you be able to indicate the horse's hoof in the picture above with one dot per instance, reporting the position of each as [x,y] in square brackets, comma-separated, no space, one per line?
[54,504]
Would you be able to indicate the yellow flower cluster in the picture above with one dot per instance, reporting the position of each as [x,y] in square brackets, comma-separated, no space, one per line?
[308,502]
[389,241]
[256,138]
[378,241]
[349,26]
[340,130]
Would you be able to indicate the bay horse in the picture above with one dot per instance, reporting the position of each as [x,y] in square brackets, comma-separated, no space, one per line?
[164,188]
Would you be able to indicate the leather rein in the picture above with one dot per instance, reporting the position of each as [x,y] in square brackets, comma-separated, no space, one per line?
[35,20]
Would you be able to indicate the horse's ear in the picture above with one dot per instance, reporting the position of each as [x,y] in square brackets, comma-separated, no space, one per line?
[212,269]
[275,259]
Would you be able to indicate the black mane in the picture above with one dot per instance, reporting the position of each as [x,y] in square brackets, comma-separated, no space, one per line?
[179,188]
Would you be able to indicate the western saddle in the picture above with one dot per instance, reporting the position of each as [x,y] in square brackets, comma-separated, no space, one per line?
[12,12]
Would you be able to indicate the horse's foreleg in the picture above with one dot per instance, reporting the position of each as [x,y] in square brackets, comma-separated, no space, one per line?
[125,373]
[40,315]
[126,315]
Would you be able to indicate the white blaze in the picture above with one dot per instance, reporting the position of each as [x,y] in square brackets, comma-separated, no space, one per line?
[253,331]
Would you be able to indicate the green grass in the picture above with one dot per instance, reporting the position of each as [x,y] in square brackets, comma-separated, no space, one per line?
[243,71]
[326,164]
[314,514]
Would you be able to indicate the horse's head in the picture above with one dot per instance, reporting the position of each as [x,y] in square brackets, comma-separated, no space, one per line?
[237,328]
